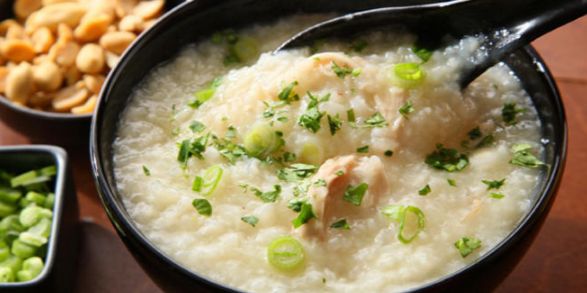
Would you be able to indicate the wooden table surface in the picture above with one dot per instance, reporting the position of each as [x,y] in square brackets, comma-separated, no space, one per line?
[555,263]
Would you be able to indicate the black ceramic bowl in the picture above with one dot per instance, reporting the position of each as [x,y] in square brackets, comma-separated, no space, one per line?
[47,127]
[197,20]
[57,275]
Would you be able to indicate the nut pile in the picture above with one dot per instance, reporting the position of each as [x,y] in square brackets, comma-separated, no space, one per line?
[55,55]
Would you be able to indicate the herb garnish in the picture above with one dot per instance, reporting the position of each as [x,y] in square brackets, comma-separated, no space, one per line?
[493,184]
[251,220]
[200,97]
[334,123]
[350,114]
[296,172]
[496,195]
[202,206]
[399,214]
[425,190]
[388,153]
[467,245]
[342,72]
[523,157]
[475,133]
[509,112]
[447,159]
[146,171]
[305,215]
[268,196]
[451,182]
[341,224]
[363,149]
[485,141]
[423,53]
[311,118]
[287,94]
[195,148]
[355,194]
[339,173]
[376,120]
[197,126]
[272,112]
[406,109]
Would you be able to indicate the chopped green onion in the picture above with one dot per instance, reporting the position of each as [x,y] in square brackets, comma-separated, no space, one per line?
[400,213]
[363,149]
[408,75]
[33,177]
[451,182]
[261,141]
[425,190]
[251,220]
[406,109]
[207,183]
[342,72]
[306,214]
[447,159]
[9,195]
[355,194]
[467,245]
[496,195]
[422,53]
[146,171]
[202,96]
[31,215]
[287,94]
[296,172]
[388,153]
[31,268]
[197,126]
[311,153]
[203,206]
[6,275]
[22,249]
[522,156]
[350,114]
[285,253]
[246,49]
[376,120]
[341,224]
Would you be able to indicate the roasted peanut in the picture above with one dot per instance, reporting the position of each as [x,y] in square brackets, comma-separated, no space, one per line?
[117,42]
[64,53]
[149,9]
[87,107]
[131,23]
[124,7]
[94,83]
[70,97]
[41,100]
[47,76]
[49,2]
[19,83]
[16,32]
[64,32]
[6,24]
[24,8]
[90,59]
[3,75]
[111,59]
[52,15]
[71,74]
[17,50]
[42,40]
[92,28]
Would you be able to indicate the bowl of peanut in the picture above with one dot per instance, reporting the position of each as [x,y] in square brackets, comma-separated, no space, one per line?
[55,56]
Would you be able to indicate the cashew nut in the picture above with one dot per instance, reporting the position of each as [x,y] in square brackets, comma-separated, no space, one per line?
[90,59]
[17,50]
[19,83]
[117,42]
[47,76]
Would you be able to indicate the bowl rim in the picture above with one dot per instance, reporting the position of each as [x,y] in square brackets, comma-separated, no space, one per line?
[125,226]
[60,159]
[45,115]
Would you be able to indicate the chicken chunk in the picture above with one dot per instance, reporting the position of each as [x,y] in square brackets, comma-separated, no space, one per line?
[339,173]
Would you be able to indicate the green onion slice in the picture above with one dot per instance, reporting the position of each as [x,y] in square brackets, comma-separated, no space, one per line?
[408,75]
[401,214]
[206,184]
[285,253]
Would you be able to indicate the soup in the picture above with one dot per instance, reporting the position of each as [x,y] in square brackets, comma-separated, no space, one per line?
[344,166]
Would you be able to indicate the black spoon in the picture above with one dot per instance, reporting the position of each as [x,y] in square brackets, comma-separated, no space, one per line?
[503,25]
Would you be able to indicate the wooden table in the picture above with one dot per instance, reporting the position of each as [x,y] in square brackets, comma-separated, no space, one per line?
[555,263]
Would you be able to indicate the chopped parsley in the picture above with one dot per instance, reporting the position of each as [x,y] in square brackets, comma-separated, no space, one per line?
[339,173]
[350,114]
[355,194]
[363,149]
[358,45]
[197,126]
[467,245]
[493,184]
[406,109]
[522,156]
[251,220]
[296,172]
[202,206]
[425,190]
[475,133]
[334,123]
[146,171]
[447,159]
[295,205]
[376,120]
[422,53]
[341,224]
[305,214]
[509,113]
[201,96]
[229,150]
[388,153]
[287,94]
[311,118]
[496,195]
[272,112]
[451,182]
[192,148]
[268,196]
[342,72]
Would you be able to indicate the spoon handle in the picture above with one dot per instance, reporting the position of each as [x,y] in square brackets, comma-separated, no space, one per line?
[517,23]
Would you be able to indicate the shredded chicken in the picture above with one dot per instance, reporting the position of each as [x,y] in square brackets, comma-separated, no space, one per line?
[327,201]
